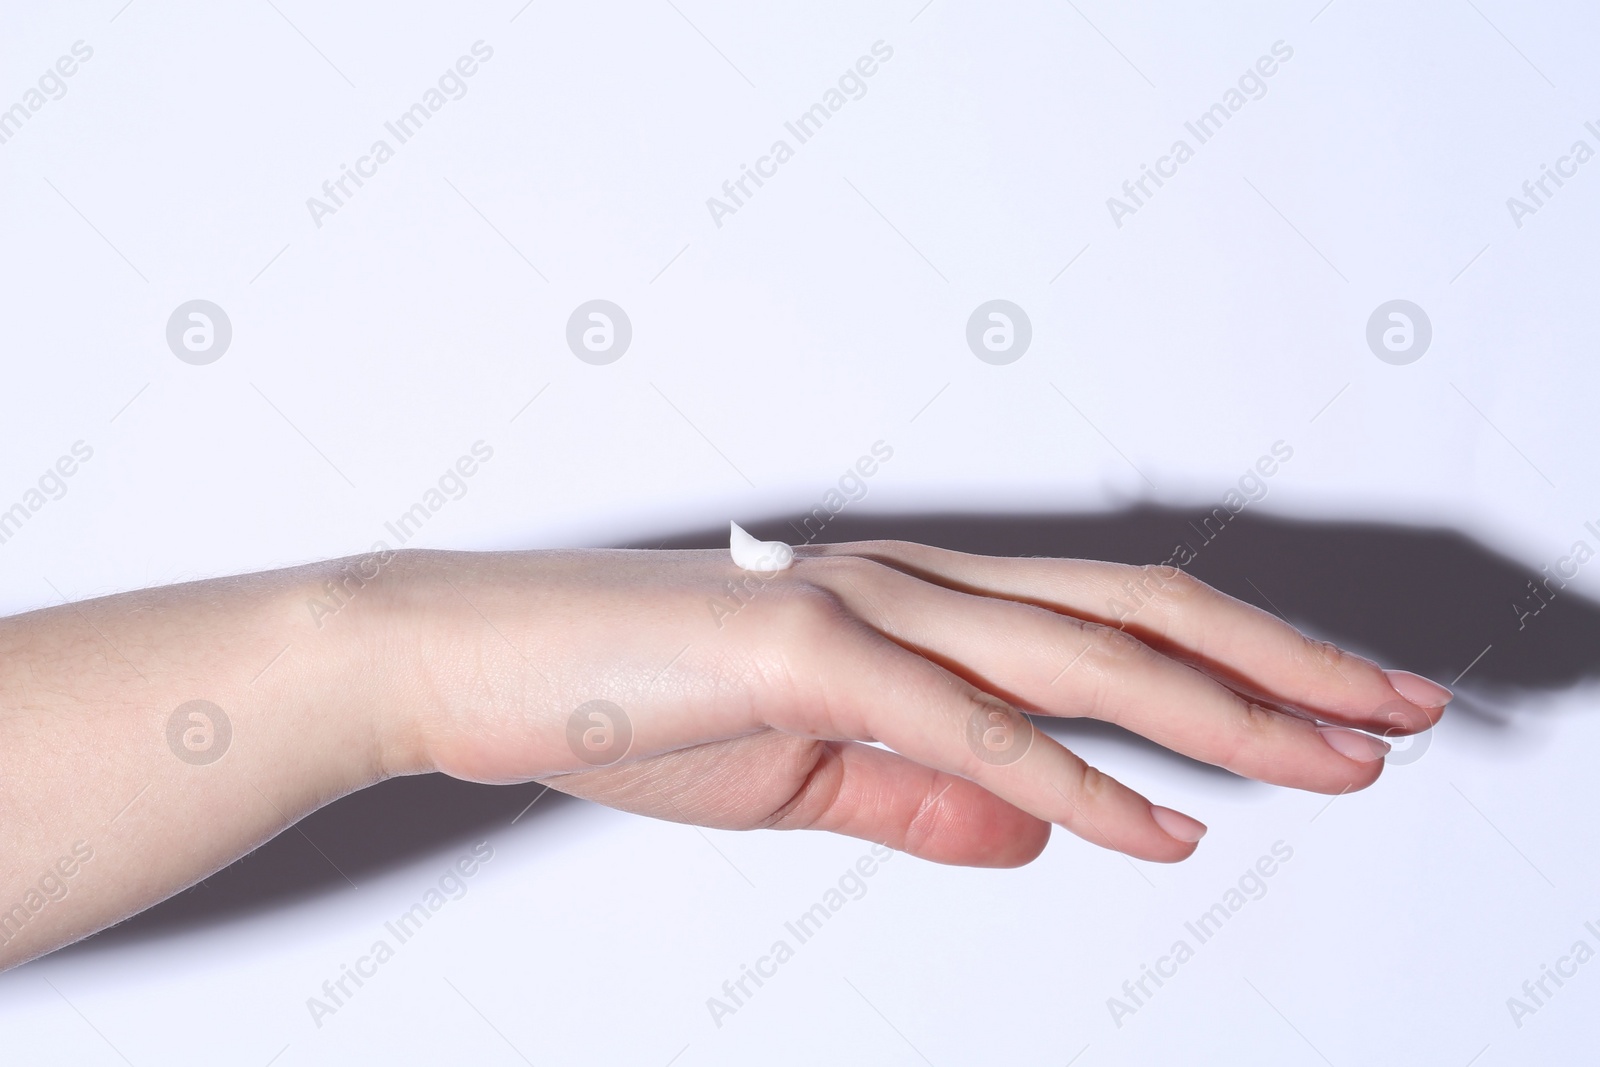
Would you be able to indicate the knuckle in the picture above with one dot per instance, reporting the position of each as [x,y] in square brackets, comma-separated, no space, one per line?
[997,734]
[1094,786]
[1250,733]
[1109,656]
[1327,656]
[1176,595]
[1093,792]
[1325,652]
[1327,672]
[798,612]
[1173,585]
[1179,602]
[810,608]
[857,582]
[1112,647]
[819,767]
[846,567]
[926,821]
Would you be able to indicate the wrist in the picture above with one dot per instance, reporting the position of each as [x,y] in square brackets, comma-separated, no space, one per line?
[456,690]
[398,641]
[363,662]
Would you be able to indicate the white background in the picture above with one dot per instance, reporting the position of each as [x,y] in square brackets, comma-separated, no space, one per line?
[768,353]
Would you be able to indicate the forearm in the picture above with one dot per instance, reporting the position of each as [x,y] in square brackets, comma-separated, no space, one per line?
[117,790]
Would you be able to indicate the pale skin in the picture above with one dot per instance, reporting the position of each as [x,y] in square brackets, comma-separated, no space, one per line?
[754,714]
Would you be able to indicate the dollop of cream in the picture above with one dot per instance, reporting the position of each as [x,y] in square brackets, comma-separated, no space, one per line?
[761,556]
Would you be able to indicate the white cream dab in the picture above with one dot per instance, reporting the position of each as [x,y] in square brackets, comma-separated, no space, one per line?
[762,556]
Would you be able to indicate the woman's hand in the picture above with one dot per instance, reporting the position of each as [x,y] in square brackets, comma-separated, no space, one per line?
[151,738]
[675,685]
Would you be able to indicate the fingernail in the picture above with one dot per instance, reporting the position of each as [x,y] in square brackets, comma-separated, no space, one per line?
[1418,690]
[1407,718]
[1178,825]
[1353,745]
